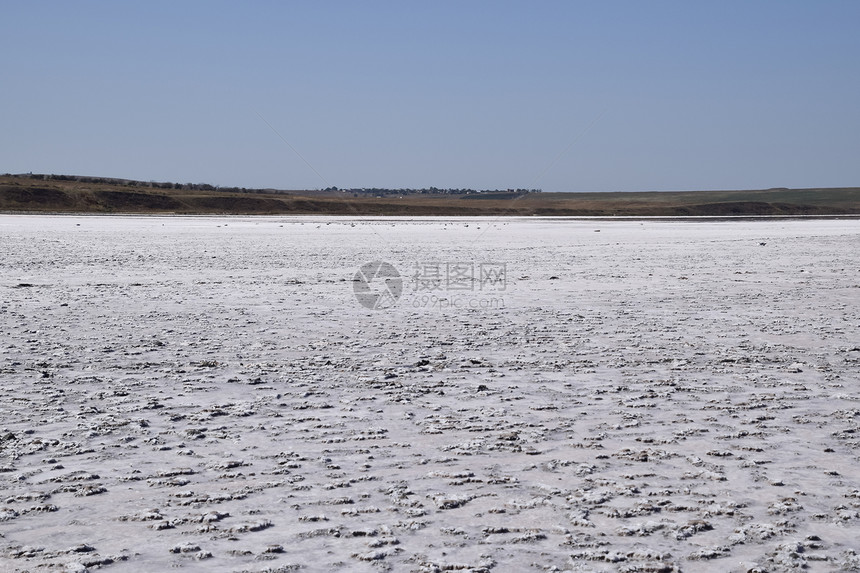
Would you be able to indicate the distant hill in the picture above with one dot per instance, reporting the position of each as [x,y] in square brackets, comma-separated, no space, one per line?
[72,194]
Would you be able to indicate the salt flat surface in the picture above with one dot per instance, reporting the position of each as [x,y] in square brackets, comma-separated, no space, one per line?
[207,394]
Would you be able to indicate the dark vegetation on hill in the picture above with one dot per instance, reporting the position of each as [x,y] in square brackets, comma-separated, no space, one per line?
[72,194]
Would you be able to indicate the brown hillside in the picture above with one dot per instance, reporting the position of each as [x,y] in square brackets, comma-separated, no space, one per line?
[74,195]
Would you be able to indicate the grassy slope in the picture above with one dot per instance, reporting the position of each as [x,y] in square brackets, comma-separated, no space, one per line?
[24,194]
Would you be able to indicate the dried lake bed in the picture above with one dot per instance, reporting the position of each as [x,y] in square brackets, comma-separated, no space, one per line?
[210,394]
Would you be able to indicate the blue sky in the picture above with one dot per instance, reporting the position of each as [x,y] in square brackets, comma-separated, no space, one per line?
[564,96]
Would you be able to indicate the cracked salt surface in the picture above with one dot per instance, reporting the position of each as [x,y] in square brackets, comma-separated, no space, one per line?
[206,394]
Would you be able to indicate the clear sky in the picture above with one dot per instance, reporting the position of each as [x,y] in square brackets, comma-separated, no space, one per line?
[562,95]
